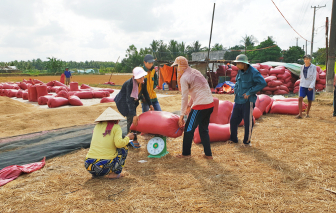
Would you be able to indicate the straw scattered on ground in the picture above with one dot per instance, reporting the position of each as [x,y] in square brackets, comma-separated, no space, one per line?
[283,171]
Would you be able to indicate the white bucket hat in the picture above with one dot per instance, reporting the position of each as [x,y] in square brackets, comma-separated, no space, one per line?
[110,115]
[139,72]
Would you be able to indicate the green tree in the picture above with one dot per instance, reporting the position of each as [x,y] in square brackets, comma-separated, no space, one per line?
[248,41]
[231,54]
[293,54]
[269,54]
[320,56]
[54,65]
[217,47]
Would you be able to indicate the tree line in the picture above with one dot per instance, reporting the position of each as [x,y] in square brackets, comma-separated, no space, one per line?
[266,50]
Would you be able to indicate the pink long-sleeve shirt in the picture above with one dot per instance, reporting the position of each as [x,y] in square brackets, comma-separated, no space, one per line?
[194,83]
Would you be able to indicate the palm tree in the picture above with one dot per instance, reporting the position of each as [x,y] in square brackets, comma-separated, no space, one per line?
[248,41]
[173,49]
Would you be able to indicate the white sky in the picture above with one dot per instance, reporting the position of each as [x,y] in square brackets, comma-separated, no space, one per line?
[102,30]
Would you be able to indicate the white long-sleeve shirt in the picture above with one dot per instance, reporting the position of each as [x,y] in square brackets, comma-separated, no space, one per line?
[310,81]
[194,83]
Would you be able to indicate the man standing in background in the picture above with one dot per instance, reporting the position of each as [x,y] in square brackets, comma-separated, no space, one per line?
[67,74]
[152,82]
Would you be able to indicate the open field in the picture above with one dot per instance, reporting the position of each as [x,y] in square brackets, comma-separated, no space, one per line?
[285,170]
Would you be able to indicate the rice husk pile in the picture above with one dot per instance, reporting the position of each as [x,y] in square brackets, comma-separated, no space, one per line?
[283,171]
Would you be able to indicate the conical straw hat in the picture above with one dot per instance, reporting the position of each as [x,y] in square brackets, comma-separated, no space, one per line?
[109,115]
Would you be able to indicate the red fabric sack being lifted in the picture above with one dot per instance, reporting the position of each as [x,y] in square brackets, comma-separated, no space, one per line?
[107,100]
[270,78]
[57,102]
[274,83]
[74,86]
[41,90]
[84,86]
[290,108]
[264,101]
[43,100]
[10,173]
[277,71]
[84,94]
[234,68]
[159,123]
[62,79]
[214,114]
[75,101]
[217,132]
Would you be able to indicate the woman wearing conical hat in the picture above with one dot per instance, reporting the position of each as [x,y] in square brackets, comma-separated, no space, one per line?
[108,150]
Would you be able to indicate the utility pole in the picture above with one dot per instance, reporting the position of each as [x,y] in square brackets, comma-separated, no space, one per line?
[297,40]
[332,50]
[326,35]
[312,41]
[306,47]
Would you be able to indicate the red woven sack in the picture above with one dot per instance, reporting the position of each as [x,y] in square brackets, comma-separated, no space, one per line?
[50,84]
[270,78]
[280,92]
[43,100]
[84,94]
[274,83]
[277,71]
[57,102]
[99,94]
[264,71]
[84,86]
[159,123]
[323,75]
[41,90]
[62,93]
[107,100]
[57,83]
[74,86]
[264,101]
[290,108]
[25,95]
[217,132]
[12,93]
[19,94]
[75,101]
[257,113]
[32,93]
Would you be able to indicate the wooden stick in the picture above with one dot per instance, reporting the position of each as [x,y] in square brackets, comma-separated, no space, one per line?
[114,67]
[329,190]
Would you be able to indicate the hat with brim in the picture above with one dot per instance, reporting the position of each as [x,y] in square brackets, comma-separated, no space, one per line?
[110,115]
[139,72]
[241,59]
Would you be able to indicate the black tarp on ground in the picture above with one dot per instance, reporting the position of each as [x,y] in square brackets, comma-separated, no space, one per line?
[33,147]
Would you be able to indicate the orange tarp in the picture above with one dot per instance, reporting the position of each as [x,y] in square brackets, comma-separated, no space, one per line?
[167,74]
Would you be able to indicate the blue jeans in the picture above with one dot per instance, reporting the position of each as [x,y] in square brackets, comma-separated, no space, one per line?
[156,105]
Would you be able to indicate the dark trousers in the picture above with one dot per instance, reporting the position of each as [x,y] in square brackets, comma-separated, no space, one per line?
[242,111]
[129,122]
[200,118]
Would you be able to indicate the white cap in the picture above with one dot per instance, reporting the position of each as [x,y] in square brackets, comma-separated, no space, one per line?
[139,72]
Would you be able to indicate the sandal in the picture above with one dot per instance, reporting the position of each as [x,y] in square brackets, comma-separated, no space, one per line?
[298,117]
[307,116]
[208,157]
[135,144]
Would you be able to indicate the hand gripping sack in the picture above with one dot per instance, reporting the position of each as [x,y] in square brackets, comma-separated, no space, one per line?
[217,132]
[57,102]
[159,123]
[107,100]
[75,101]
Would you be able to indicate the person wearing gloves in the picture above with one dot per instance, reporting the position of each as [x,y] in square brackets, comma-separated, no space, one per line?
[191,81]
[307,84]
[133,90]
[108,150]
[249,81]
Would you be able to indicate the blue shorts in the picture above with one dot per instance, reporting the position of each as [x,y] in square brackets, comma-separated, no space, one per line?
[305,92]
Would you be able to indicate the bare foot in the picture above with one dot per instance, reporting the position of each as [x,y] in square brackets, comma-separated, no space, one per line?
[298,117]
[208,157]
[183,156]
[115,176]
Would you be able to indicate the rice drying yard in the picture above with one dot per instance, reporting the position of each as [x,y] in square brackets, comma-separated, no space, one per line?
[288,168]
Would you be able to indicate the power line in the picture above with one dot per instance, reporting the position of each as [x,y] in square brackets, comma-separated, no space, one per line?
[287,21]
